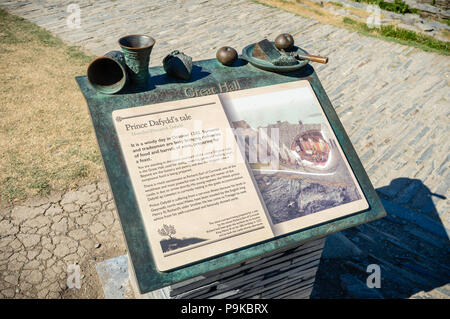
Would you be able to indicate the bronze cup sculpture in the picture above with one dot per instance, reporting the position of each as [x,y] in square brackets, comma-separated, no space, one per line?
[107,74]
[137,50]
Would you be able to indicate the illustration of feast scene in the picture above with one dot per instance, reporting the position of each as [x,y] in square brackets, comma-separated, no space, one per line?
[294,156]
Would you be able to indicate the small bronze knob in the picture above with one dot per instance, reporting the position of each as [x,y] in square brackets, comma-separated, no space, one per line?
[226,55]
[284,41]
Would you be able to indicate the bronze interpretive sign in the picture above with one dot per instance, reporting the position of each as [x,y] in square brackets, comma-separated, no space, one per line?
[216,173]
[287,200]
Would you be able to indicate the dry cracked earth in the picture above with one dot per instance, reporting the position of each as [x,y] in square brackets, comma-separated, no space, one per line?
[41,238]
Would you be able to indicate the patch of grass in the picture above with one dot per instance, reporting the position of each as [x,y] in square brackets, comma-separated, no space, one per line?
[445,21]
[11,190]
[79,170]
[317,12]
[46,138]
[24,31]
[349,21]
[78,56]
[403,36]
[398,6]
[40,181]
[386,32]
[267,4]
[337,4]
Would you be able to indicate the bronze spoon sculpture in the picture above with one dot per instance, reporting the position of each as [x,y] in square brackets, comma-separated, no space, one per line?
[313,58]
[285,41]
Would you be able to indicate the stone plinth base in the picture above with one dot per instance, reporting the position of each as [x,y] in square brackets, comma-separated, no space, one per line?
[285,274]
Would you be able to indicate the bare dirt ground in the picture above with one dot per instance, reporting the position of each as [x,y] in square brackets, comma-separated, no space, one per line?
[47,141]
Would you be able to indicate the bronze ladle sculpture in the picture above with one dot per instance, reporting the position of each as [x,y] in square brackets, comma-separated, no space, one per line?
[285,41]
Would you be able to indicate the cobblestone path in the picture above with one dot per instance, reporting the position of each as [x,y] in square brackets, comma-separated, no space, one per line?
[392,99]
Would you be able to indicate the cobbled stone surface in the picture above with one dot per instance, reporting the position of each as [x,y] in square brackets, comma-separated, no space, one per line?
[393,101]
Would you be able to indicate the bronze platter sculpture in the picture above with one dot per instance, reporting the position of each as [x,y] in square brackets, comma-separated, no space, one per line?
[265,65]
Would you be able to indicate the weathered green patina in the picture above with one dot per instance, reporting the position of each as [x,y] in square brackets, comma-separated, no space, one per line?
[137,49]
[208,77]
[107,74]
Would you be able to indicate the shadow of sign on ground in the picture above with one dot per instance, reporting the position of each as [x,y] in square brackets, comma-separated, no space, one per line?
[411,246]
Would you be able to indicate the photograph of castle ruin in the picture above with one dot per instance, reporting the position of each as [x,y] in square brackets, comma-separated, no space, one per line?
[294,155]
